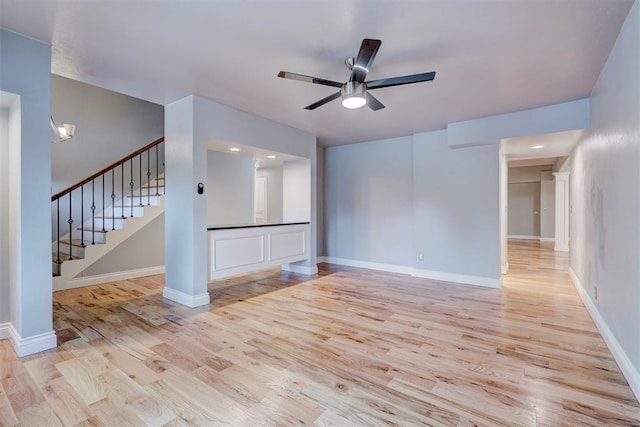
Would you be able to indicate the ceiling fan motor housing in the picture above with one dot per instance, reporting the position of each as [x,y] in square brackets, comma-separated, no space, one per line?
[354,88]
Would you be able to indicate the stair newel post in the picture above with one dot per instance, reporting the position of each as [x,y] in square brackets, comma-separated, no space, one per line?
[70,221]
[122,187]
[113,200]
[93,212]
[131,186]
[148,177]
[164,189]
[157,171]
[140,182]
[58,229]
[103,229]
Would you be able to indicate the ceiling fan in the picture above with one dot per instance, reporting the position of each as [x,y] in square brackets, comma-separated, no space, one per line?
[355,92]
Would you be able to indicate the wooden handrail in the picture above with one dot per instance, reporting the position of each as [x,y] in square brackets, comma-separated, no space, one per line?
[107,169]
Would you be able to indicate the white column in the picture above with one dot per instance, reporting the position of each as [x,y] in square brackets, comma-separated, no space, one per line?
[186,210]
[504,186]
[562,211]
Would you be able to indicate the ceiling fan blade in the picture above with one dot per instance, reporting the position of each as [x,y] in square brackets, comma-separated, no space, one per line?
[323,101]
[308,79]
[403,80]
[365,58]
[373,102]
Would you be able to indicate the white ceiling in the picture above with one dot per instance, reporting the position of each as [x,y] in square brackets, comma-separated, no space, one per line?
[554,145]
[490,56]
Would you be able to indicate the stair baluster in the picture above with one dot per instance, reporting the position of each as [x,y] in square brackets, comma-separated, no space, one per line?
[122,187]
[81,216]
[58,230]
[93,212]
[103,229]
[113,201]
[140,186]
[157,172]
[70,221]
[131,185]
[148,178]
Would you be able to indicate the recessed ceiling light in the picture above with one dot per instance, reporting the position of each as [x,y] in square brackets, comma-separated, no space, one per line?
[271,156]
[235,149]
[537,147]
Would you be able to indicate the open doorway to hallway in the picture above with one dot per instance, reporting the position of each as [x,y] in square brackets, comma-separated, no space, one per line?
[534,190]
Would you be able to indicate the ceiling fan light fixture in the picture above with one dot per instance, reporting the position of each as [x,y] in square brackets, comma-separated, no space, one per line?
[354,95]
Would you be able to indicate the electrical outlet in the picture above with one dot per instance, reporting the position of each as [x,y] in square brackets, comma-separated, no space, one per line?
[420,256]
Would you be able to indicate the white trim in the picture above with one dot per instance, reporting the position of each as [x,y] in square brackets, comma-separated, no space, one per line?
[183,298]
[626,366]
[321,259]
[31,345]
[521,237]
[561,248]
[4,331]
[391,268]
[98,279]
[505,268]
[464,279]
[301,269]
[487,282]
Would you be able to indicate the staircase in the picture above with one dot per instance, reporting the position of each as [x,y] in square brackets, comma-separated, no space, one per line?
[89,223]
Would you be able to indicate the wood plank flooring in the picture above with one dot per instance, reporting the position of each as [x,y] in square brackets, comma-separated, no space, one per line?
[350,347]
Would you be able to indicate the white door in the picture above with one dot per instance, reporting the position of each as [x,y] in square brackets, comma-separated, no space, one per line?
[260,200]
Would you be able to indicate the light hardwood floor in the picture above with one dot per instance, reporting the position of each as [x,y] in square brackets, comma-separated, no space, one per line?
[349,347]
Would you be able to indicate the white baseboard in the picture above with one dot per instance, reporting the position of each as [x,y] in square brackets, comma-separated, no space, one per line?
[487,282]
[561,248]
[321,259]
[98,279]
[183,298]
[417,272]
[4,331]
[521,237]
[31,345]
[629,371]
[391,268]
[505,268]
[301,269]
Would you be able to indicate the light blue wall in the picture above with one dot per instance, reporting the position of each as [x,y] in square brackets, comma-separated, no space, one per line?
[456,207]
[229,188]
[368,201]
[387,201]
[548,119]
[320,199]
[145,249]
[605,196]
[110,126]
[25,70]
[4,215]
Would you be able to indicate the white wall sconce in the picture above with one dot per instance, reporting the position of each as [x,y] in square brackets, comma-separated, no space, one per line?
[62,133]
